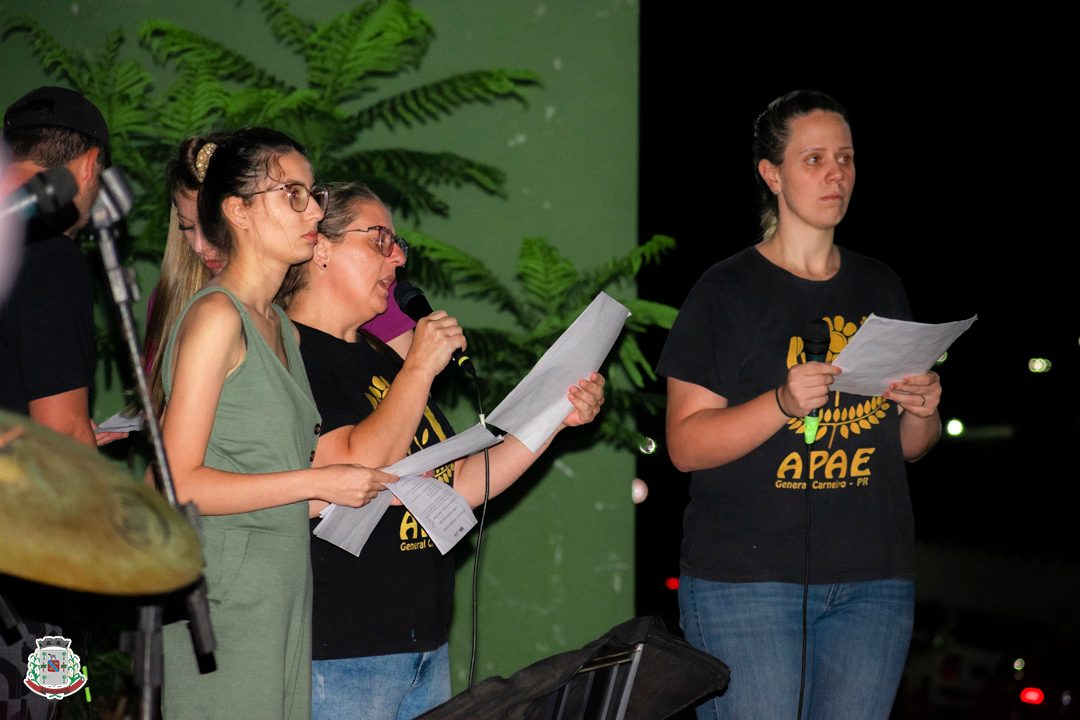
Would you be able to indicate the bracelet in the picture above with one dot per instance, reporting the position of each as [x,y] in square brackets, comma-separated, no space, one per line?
[785,412]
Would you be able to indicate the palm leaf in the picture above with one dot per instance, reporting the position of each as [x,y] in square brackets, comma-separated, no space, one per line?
[403,178]
[209,86]
[387,173]
[471,277]
[634,362]
[55,59]
[270,106]
[549,287]
[510,355]
[288,29]
[119,89]
[372,39]
[550,325]
[545,275]
[425,168]
[196,103]
[645,314]
[627,267]
[620,407]
[167,42]
[408,199]
[439,99]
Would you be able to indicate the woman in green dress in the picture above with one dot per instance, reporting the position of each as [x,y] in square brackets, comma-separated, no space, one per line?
[240,430]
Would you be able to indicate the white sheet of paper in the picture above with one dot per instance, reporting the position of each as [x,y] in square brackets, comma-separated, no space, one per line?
[461,445]
[349,528]
[536,407]
[886,350]
[122,423]
[440,510]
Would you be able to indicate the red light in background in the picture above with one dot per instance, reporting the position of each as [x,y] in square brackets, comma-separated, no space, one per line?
[1032,696]
[672,583]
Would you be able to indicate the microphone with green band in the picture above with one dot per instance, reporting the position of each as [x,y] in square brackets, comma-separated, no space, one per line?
[815,340]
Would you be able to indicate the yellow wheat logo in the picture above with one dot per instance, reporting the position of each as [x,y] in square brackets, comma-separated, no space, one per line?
[377,390]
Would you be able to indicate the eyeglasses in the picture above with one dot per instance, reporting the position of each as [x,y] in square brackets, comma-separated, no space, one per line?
[386,240]
[299,194]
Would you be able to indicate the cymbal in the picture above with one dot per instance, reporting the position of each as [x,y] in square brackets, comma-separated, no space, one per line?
[69,517]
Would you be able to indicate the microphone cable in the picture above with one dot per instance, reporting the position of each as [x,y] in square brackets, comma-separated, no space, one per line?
[413,303]
[805,587]
[479,534]
[815,347]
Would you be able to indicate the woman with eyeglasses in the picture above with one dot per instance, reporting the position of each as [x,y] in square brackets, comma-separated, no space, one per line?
[382,619]
[240,428]
[190,261]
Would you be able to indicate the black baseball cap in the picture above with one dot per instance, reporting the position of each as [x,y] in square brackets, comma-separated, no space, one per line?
[59,107]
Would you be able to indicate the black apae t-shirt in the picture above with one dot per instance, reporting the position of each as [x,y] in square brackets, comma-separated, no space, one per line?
[737,334]
[47,325]
[397,595]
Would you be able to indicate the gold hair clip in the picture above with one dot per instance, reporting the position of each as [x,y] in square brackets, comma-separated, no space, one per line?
[202,160]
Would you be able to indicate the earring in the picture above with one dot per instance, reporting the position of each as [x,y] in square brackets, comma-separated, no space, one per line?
[324,265]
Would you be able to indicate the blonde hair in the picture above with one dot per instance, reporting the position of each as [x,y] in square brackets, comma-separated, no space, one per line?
[182,271]
[772,132]
[182,275]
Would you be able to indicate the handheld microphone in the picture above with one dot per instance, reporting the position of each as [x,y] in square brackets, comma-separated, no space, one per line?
[413,303]
[815,340]
[45,194]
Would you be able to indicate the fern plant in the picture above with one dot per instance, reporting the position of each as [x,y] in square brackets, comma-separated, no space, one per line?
[119,88]
[546,294]
[214,87]
[343,59]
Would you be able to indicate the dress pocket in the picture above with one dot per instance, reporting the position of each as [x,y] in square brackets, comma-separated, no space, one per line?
[222,578]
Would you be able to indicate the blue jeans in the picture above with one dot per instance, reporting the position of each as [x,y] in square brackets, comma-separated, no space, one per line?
[857,641]
[380,687]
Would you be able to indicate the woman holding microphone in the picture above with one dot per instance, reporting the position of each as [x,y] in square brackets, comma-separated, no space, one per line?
[382,619]
[738,388]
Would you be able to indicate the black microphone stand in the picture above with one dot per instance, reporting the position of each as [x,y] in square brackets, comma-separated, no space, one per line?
[113,203]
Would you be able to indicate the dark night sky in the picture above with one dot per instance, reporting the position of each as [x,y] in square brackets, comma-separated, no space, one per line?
[963,148]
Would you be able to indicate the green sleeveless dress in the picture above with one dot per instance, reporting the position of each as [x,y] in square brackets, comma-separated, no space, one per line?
[258,565]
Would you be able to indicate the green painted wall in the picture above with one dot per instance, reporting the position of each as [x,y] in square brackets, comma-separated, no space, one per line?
[558,567]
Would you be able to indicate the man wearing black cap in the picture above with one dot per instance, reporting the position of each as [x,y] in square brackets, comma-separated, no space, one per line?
[47,334]
[46,324]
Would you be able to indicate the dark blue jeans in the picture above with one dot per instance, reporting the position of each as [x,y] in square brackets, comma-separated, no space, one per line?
[857,641]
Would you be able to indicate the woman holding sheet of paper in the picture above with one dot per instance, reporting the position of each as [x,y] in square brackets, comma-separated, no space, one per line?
[240,426]
[381,620]
[768,511]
